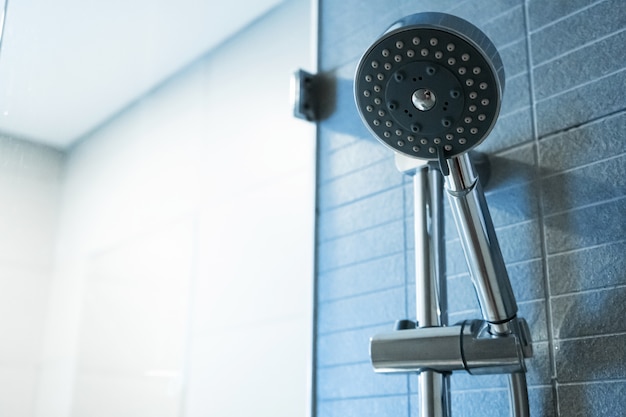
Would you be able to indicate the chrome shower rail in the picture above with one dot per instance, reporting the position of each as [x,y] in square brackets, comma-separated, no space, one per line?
[430,286]
[500,341]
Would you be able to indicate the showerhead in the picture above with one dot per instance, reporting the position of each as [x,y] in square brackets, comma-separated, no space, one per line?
[430,87]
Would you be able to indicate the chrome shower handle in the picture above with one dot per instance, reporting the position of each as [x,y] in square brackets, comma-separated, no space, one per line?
[480,244]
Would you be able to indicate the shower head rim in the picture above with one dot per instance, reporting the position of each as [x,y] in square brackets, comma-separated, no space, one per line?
[458,28]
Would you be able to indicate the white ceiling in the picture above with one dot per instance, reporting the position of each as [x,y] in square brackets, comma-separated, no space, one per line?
[66,66]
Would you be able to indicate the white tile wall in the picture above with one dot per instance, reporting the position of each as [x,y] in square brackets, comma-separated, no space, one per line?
[103,395]
[186,220]
[264,276]
[135,305]
[254,369]
[30,178]
[23,297]
[18,387]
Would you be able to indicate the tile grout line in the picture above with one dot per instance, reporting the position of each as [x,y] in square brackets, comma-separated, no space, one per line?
[351,329]
[359,294]
[459,275]
[565,17]
[510,44]
[556,133]
[581,85]
[499,229]
[358,199]
[596,246]
[582,125]
[512,77]
[360,397]
[357,262]
[359,169]
[540,214]
[332,178]
[530,301]
[578,48]
[601,381]
[585,206]
[342,364]
[514,112]
[457,6]
[590,291]
[501,15]
[464,312]
[359,231]
[590,337]
[581,166]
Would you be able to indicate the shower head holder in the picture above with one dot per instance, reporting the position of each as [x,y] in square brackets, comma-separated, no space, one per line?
[430,87]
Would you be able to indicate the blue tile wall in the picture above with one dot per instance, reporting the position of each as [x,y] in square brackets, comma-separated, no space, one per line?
[557,196]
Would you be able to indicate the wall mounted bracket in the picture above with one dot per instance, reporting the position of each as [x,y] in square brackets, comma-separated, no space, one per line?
[312,95]
[304,100]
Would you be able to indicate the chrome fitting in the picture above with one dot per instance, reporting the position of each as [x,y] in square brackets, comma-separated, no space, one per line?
[462,177]
[468,346]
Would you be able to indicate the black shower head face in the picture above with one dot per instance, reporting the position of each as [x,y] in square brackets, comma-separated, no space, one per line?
[430,87]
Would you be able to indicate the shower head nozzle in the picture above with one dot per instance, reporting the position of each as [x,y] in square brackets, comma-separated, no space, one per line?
[431,86]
